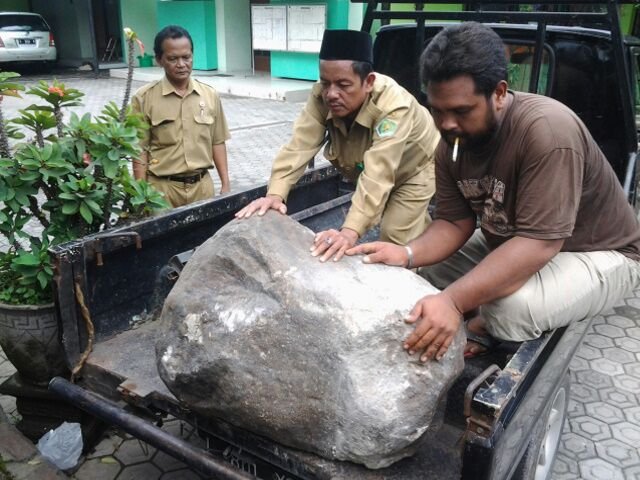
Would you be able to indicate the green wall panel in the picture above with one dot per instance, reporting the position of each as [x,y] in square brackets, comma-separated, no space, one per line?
[299,65]
[627,16]
[199,18]
[141,17]
[15,6]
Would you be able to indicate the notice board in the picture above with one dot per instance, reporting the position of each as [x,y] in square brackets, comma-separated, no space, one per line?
[269,27]
[305,27]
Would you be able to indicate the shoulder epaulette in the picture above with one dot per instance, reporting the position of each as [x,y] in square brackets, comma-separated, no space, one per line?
[145,88]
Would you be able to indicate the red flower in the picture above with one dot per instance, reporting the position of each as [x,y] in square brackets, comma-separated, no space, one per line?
[57,91]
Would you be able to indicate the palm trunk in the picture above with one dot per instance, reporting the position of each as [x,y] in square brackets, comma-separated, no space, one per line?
[39,138]
[58,114]
[4,139]
[35,210]
[107,202]
[127,90]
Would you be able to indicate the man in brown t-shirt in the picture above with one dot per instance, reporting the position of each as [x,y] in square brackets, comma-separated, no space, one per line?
[557,242]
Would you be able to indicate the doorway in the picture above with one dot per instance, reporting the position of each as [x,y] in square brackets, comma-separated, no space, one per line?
[106,21]
[261,58]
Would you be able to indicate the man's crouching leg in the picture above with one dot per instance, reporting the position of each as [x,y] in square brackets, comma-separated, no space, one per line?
[571,287]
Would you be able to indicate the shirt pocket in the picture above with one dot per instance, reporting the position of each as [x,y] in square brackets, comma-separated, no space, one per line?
[203,124]
[164,131]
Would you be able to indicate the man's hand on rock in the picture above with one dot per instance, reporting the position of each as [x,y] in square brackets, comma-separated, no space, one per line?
[382,252]
[333,243]
[261,205]
[437,320]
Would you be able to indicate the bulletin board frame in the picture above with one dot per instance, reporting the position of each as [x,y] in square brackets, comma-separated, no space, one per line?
[269,27]
[288,28]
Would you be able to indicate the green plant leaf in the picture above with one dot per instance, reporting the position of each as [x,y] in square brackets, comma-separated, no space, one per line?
[70,208]
[27,259]
[93,206]
[86,213]
[67,196]
[29,176]
[43,279]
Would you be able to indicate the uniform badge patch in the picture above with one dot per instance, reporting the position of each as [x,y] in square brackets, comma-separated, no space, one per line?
[386,127]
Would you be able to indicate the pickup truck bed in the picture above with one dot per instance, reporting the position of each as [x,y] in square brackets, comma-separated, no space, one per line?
[486,429]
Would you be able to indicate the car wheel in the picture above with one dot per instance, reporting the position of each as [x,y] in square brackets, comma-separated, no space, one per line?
[537,461]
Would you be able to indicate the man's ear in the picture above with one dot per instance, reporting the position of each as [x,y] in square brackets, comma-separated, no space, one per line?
[501,94]
[368,82]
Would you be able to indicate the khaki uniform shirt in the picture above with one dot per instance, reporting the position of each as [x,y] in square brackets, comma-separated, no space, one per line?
[391,141]
[183,129]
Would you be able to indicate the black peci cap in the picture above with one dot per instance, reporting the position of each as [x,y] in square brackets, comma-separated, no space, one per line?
[346,45]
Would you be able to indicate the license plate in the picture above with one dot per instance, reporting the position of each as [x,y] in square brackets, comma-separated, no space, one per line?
[26,41]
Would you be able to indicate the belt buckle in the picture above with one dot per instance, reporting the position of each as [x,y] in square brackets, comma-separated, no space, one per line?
[191,179]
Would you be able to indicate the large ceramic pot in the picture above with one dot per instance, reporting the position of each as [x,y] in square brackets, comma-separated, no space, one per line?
[30,340]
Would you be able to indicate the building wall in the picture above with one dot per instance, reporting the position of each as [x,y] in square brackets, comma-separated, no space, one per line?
[15,5]
[199,18]
[429,7]
[233,22]
[140,16]
[356,14]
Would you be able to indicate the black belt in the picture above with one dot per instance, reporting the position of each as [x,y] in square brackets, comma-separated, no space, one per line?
[195,178]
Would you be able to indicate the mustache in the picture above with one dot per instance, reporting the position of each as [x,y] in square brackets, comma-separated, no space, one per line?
[450,137]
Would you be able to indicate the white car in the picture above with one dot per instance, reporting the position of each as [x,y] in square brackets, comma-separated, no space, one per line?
[26,38]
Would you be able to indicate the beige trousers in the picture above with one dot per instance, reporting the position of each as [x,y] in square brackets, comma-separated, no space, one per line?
[180,193]
[571,287]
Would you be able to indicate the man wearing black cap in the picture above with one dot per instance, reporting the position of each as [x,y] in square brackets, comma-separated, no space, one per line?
[378,136]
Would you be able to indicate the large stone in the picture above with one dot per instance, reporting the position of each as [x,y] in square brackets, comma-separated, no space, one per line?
[261,334]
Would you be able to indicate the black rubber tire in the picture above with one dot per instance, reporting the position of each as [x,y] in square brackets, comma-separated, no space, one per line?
[547,432]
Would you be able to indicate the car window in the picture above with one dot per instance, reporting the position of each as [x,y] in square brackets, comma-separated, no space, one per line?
[519,68]
[20,23]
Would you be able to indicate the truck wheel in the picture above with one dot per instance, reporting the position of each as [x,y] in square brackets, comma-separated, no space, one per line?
[537,461]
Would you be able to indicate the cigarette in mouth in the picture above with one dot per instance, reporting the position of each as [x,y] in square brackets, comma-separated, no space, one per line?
[454,155]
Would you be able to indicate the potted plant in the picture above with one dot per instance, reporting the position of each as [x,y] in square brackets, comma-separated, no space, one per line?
[68,180]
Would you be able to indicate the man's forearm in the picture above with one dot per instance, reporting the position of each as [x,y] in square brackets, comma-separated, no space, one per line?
[502,272]
[220,162]
[140,166]
[440,240]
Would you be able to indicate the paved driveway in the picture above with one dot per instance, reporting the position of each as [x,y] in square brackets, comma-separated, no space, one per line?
[601,439]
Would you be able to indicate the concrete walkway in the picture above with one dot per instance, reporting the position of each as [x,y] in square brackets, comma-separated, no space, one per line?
[243,83]
[599,442]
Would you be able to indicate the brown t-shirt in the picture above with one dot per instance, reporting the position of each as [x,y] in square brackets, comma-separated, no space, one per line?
[542,177]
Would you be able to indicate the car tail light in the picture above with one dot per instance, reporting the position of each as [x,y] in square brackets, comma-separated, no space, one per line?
[52,42]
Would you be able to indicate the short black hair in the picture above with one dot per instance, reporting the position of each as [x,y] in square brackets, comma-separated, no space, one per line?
[362,69]
[170,31]
[468,48]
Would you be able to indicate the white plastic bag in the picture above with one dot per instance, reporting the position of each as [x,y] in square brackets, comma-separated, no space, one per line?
[62,446]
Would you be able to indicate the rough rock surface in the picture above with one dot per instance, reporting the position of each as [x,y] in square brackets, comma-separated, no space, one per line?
[261,334]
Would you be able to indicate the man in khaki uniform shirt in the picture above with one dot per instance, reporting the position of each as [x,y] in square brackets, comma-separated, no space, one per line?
[378,136]
[187,126]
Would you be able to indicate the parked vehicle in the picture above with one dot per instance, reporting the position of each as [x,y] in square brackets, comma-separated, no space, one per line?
[26,38]
[503,416]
